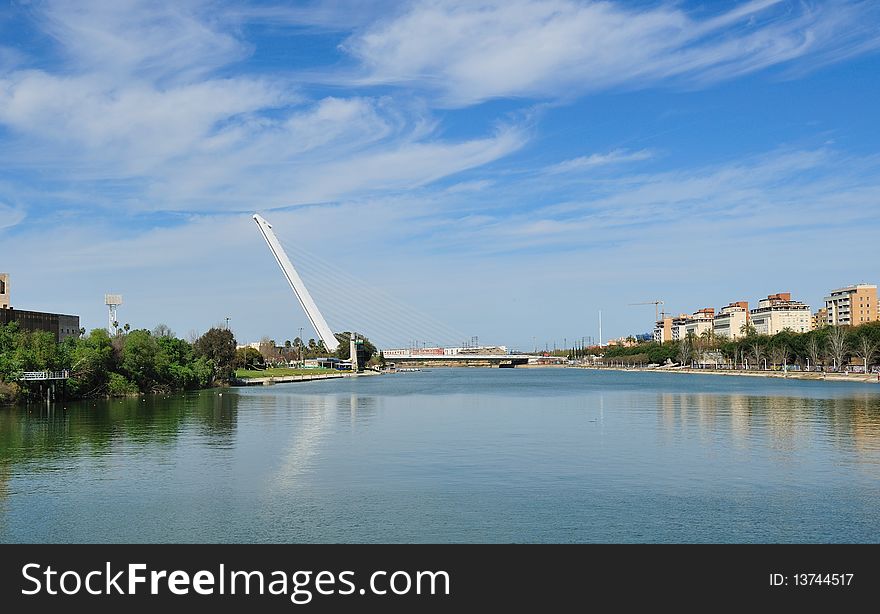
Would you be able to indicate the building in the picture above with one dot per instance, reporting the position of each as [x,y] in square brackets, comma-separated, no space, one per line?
[732,320]
[852,305]
[700,322]
[482,350]
[679,325]
[820,318]
[60,325]
[663,330]
[4,291]
[778,312]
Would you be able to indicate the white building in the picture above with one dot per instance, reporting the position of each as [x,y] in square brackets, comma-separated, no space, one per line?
[731,319]
[698,323]
[679,327]
[778,312]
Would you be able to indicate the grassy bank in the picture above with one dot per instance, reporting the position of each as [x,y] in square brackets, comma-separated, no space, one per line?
[281,372]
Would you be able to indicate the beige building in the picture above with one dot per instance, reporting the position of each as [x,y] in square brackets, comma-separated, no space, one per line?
[700,322]
[778,312]
[4,291]
[731,320]
[663,330]
[852,305]
[820,318]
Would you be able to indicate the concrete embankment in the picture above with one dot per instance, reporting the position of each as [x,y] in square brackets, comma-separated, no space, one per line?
[830,377]
[285,379]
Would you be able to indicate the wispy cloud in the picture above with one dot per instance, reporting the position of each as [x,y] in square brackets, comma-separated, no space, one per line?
[618,156]
[10,216]
[777,192]
[469,52]
[141,112]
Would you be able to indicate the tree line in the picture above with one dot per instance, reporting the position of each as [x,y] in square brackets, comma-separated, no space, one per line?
[104,365]
[830,348]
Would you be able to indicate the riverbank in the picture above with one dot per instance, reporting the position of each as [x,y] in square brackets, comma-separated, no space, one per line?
[304,377]
[857,378]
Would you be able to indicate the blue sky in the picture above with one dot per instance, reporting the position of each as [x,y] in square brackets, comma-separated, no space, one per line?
[504,169]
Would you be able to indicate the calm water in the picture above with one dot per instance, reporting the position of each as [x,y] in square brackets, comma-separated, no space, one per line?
[456,455]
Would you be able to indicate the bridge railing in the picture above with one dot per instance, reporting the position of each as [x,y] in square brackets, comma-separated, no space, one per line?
[36,376]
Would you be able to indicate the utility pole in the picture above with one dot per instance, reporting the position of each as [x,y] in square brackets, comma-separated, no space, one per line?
[227,322]
[600,327]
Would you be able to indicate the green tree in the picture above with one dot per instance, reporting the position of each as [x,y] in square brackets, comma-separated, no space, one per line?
[139,354]
[218,346]
[249,358]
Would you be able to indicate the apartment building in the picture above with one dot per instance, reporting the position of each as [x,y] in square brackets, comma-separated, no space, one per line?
[663,330]
[731,320]
[820,318]
[778,312]
[852,305]
[700,322]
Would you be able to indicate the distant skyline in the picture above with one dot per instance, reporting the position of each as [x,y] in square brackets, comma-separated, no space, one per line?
[507,169]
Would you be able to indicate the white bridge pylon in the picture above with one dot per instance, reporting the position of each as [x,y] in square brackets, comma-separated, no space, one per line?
[296,283]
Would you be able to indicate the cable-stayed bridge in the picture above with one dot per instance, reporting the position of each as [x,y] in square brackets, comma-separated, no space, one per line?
[349,304]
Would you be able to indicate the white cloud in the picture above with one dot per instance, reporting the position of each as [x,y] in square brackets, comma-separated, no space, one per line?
[618,156]
[10,216]
[138,115]
[780,192]
[130,127]
[473,51]
[175,41]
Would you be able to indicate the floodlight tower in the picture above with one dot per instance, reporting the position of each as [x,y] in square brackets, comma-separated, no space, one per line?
[297,285]
[112,301]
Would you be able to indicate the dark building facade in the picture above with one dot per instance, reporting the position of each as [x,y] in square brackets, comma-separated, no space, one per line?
[60,325]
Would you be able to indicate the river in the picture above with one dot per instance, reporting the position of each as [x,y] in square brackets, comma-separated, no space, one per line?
[452,455]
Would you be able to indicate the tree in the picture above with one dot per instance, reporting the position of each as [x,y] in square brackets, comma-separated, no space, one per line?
[779,353]
[91,362]
[249,358]
[685,350]
[838,345]
[757,350]
[162,330]
[218,346]
[748,330]
[814,349]
[139,359]
[865,348]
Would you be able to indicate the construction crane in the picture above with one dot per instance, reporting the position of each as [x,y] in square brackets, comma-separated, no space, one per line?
[656,305]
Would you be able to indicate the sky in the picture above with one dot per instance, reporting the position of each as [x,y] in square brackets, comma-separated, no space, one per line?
[495,168]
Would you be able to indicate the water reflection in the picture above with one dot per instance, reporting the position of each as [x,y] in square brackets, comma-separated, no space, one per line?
[453,455]
[786,423]
[39,435]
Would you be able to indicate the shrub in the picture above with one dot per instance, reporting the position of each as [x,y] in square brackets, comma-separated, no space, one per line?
[8,393]
[118,386]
